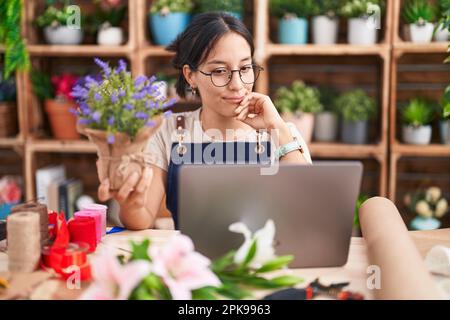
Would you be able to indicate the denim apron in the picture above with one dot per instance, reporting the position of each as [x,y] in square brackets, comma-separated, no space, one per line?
[223,152]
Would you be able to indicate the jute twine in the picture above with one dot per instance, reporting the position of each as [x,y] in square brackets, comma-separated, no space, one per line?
[23,236]
[41,209]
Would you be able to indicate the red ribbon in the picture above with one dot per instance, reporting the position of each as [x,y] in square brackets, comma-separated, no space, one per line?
[82,229]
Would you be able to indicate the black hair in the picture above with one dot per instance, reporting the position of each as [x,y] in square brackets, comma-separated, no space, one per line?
[193,46]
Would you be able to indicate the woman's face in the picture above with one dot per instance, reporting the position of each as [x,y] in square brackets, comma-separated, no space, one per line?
[231,52]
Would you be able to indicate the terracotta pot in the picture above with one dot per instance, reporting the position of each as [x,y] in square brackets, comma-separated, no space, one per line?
[119,160]
[62,122]
[304,123]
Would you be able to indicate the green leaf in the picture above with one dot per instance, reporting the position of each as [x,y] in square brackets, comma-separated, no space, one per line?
[286,281]
[233,291]
[205,293]
[275,264]
[140,250]
[250,254]
[223,262]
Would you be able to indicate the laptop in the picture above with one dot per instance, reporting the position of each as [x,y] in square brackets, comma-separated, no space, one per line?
[312,207]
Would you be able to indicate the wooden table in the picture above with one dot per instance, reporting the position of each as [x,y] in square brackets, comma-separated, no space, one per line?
[355,271]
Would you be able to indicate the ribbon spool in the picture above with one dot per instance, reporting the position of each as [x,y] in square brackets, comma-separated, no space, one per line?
[67,261]
[82,229]
[52,224]
[102,209]
[39,208]
[98,221]
[24,245]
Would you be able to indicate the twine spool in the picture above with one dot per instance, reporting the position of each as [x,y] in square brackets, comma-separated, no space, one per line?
[39,208]
[24,246]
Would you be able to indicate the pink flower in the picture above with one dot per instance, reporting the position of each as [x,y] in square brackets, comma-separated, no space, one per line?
[181,268]
[113,281]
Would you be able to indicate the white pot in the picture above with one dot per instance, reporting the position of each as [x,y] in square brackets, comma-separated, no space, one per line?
[326,127]
[416,135]
[445,131]
[304,123]
[63,35]
[421,33]
[325,30]
[110,36]
[442,34]
[361,31]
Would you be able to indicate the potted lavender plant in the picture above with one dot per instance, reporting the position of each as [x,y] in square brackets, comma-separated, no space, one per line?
[119,114]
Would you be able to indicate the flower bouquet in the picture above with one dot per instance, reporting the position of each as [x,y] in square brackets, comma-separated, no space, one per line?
[429,205]
[119,114]
[175,270]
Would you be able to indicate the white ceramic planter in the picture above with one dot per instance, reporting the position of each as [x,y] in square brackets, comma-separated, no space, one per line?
[421,33]
[361,32]
[304,123]
[110,36]
[445,131]
[324,30]
[442,34]
[417,135]
[63,35]
[326,127]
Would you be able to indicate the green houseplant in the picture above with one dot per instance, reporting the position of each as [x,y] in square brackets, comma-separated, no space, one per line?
[326,121]
[61,23]
[233,7]
[107,22]
[356,109]
[444,114]
[168,18]
[417,116]
[419,16]
[298,104]
[325,21]
[442,32]
[293,20]
[363,17]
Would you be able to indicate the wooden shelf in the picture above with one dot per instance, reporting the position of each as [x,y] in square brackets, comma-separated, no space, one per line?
[409,47]
[432,150]
[340,150]
[329,50]
[11,142]
[81,50]
[155,51]
[61,146]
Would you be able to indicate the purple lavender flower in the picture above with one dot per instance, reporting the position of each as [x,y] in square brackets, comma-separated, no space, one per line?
[128,106]
[98,96]
[114,98]
[111,120]
[169,103]
[141,115]
[152,79]
[139,95]
[96,116]
[150,123]
[80,92]
[111,138]
[139,81]
[90,82]
[122,93]
[85,109]
[167,114]
[104,65]
[122,66]
[84,121]
[73,111]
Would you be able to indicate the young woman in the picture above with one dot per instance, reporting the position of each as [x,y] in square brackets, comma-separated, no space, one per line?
[214,56]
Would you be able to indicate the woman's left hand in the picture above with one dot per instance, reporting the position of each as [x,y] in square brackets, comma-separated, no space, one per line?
[258,111]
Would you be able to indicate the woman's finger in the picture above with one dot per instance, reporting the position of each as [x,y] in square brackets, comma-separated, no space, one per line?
[143,182]
[128,187]
[103,191]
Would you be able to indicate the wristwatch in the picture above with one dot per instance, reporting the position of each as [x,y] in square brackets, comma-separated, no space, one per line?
[288,147]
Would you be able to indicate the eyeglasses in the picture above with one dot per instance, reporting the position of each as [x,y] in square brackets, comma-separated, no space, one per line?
[221,77]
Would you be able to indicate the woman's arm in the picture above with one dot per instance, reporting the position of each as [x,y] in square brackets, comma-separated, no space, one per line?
[285,136]
[139,197]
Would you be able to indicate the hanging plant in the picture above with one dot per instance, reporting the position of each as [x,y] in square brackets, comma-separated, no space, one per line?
[16,55]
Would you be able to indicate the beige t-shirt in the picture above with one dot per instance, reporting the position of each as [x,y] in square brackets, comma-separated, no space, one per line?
[160,143]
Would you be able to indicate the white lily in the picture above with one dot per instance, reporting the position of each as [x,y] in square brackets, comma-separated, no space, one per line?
[264,243]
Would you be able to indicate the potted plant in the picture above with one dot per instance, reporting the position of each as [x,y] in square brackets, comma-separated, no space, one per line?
[8,109]
[55,92]
[419,16]
[298,105]
[445,117]
[57,24]
[119,114]
[429,205]
[326,122]
[293,20]
[10,194]
[441,33]
[168,18]
[232,7]
[325,22]
[361,28]
[355,108]
[107,21]
[417,116]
